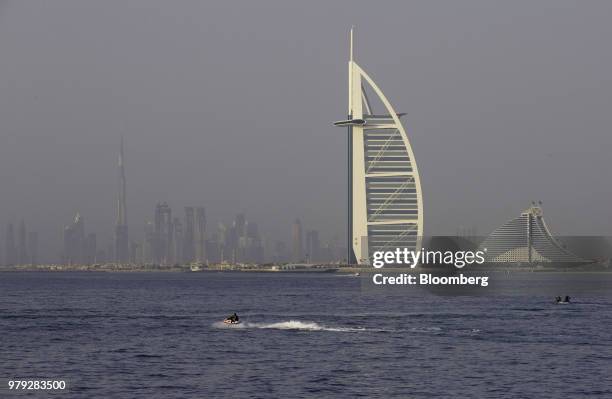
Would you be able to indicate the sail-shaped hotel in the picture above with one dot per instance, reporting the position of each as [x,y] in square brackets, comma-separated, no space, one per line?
[385,202]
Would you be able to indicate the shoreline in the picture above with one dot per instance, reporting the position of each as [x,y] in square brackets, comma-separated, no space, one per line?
[332,269]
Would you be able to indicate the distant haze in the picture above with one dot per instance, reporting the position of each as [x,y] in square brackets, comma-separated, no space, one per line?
[229,105]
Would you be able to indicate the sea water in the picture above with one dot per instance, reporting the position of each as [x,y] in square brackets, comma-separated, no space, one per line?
[160,335]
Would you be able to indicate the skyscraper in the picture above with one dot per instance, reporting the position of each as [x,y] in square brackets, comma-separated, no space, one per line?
[10,250]
[385,204]
[22,249]
[177,240]
[188,236]
[74,242]
[122,252]
[33,247]
[240,225]
[223,243]
[313,248]
[200,235]
[136,255]
[164,234]
[149,245]
[254,249]
[297,254]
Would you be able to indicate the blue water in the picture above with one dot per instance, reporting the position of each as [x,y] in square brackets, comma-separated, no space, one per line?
[157,335]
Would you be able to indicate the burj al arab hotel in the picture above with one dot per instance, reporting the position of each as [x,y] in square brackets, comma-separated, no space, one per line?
[385,201]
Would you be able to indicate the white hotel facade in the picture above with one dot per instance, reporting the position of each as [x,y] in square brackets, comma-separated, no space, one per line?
[385,201]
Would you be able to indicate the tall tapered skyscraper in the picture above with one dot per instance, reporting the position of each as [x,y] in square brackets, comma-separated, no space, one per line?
[122,252]
[385,202]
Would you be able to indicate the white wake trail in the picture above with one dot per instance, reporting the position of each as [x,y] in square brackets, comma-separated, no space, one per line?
[288,325]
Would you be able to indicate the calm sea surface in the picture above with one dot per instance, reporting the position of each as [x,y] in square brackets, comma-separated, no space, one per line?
[157,335]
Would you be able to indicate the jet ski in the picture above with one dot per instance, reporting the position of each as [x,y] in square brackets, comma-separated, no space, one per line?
[232,319]
[563,301]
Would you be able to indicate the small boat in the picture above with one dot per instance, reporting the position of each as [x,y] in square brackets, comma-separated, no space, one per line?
[228,321]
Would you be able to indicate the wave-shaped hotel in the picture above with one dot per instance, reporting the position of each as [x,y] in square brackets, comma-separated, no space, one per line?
[385,202]
[527,239]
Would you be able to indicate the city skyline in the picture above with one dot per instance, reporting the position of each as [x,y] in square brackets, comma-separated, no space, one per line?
[166,242]
[165,239]
[162,240]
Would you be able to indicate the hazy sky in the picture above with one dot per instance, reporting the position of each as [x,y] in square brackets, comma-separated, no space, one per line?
[229,105]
